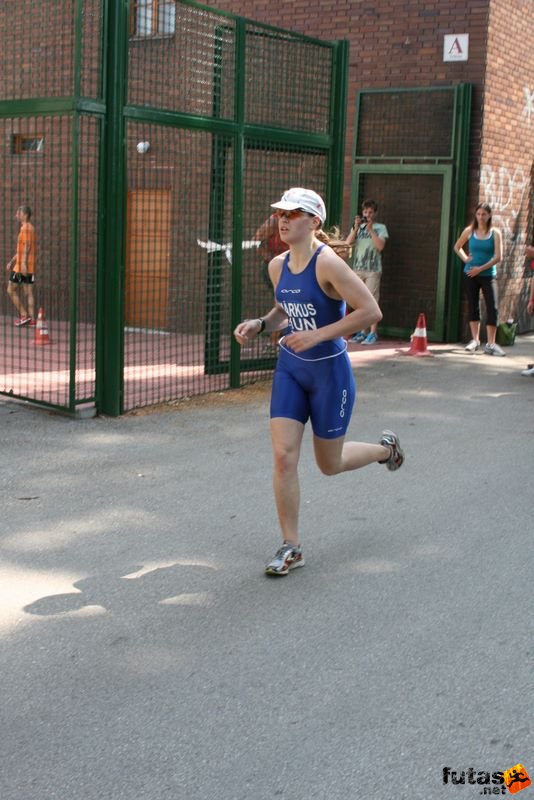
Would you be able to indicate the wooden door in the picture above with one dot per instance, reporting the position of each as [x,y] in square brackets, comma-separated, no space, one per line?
[147,258]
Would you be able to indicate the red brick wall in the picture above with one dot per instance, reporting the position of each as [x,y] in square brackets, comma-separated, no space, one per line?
[399,43]
[393,43]
[37,49]
[507,176]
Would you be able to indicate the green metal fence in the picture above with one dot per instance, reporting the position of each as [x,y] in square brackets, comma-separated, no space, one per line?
[149,139]
[411,156]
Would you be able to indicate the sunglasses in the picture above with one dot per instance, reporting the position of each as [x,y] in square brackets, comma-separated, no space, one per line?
[282,214]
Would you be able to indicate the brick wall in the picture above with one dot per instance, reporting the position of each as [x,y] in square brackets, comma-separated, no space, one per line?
[393,43]
[399,43]
[507,175]
[36,56]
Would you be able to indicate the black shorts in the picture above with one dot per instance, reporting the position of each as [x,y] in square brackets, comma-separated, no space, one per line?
[18,277]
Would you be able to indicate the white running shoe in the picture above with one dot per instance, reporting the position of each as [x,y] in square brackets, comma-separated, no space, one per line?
[286,557]
[494,350]
[472,346]
[396,458]
[528,372]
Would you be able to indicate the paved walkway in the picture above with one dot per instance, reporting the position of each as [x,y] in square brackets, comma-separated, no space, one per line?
[144,655]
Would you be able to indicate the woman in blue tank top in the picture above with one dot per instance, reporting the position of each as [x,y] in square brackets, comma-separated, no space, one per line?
[313,377]
[480,270]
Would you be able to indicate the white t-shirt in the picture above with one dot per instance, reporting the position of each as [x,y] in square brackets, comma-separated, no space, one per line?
[365,256]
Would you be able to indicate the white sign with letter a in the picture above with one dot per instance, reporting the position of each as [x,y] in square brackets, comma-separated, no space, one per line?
[456,47]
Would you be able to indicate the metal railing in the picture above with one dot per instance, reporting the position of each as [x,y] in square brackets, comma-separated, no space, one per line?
[149,147]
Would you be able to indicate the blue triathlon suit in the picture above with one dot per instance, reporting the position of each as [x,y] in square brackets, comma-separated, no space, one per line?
[318,383]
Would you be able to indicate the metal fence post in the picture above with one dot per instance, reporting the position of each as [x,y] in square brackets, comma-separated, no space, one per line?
[462,119]
[338,125]
[237,204]
[110,332]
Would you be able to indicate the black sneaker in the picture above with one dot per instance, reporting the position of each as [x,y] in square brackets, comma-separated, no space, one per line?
[396,459]
[286,557]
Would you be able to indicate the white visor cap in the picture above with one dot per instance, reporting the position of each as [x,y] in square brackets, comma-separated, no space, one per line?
[306,199]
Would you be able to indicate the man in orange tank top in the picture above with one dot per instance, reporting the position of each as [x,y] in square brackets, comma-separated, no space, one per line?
[22,268]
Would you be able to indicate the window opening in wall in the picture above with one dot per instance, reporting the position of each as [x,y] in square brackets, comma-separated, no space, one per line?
[153,17]
[22,143]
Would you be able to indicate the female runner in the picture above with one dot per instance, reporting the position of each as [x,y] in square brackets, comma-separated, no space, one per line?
[313,377]
[480,270]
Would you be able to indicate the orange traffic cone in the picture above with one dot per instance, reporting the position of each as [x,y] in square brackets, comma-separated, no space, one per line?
[418,346]
[41,329]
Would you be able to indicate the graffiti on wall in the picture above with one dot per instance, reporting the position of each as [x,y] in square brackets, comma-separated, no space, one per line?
[528,110]
[505,190]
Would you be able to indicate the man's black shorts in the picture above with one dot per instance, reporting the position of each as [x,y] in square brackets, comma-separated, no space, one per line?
[18,277]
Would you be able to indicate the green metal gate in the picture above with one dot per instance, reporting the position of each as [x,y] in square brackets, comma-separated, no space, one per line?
[149,138]
[410,155]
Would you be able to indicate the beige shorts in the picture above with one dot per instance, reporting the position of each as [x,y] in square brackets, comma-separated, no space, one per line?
[372,281]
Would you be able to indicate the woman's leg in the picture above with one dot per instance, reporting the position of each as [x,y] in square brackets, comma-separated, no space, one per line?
[489,290]
[473,304]
[336,455]
[474,327]
[491,331]
[286,437]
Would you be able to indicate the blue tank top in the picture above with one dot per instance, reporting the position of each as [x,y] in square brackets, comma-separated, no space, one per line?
[308,308]
[482,250]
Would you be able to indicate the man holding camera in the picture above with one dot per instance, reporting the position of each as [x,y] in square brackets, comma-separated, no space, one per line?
[368,239]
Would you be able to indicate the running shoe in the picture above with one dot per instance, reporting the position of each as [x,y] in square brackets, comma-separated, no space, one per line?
[22,321]
[494,350]
[472,346]
[358,337]
[286,557]
[396,458]
[371,338]
[529,371]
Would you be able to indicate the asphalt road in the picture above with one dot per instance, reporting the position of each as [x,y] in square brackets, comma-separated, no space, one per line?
[143,654]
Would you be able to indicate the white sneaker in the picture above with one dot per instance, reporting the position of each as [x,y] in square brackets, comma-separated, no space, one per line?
[494,350]
[472,346]
[528,372]
[286,557]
